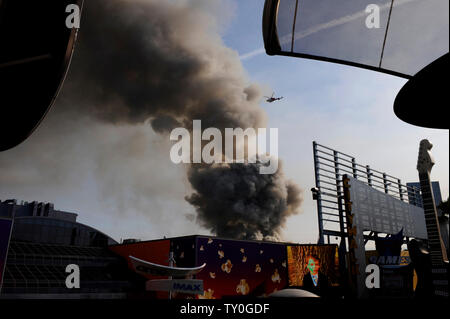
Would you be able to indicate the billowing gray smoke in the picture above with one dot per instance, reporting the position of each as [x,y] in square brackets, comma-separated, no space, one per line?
[164,62]
[235,200]
[160,61]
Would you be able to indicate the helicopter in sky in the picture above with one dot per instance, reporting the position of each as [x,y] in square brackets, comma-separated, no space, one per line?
[271,99]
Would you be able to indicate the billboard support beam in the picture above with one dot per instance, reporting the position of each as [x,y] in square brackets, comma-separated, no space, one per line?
[329,168]
[319,196]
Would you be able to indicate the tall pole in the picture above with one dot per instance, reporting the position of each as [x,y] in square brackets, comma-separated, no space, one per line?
[171,264]
[319,203]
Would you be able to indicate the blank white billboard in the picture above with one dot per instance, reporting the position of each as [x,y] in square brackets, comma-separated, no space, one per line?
[377,211]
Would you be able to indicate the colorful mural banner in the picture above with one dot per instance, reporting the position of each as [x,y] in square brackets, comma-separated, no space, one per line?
[241,268]
[238,267]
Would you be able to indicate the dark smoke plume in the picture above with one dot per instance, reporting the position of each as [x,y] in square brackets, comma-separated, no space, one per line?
[163,62]
[234,200]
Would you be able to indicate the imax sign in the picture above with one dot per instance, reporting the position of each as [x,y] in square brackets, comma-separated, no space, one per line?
[190,287]
[187,286]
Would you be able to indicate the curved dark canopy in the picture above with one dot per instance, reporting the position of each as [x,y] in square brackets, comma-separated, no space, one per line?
[411,33]
[35,51]
[423,100]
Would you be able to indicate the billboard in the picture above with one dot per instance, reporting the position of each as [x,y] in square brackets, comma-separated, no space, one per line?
[313,267]
[235,268]
[380,212]
[240,268]
[5,233]
[372,210]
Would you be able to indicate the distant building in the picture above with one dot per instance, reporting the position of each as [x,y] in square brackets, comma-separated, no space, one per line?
[37,242]
[415,197]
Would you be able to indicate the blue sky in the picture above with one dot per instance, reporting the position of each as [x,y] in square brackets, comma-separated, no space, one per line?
[345,108]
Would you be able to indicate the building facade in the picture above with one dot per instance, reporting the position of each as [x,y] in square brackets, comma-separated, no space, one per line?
[43,241]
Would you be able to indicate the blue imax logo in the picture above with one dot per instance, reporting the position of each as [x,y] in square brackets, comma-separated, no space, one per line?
[187,287]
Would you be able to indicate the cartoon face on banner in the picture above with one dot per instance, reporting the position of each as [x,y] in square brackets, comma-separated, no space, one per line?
[313,265]
[240,267]
[313,260]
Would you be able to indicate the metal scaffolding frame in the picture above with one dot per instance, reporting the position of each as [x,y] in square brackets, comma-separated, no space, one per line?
[329,167]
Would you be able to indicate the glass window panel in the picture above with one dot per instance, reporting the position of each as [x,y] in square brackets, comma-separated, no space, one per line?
[285,20]
[418,34]
[337,30]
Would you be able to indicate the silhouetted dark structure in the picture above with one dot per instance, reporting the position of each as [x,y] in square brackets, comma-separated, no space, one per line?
[44,241]
[423,99]
[389,246]
[36,49]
